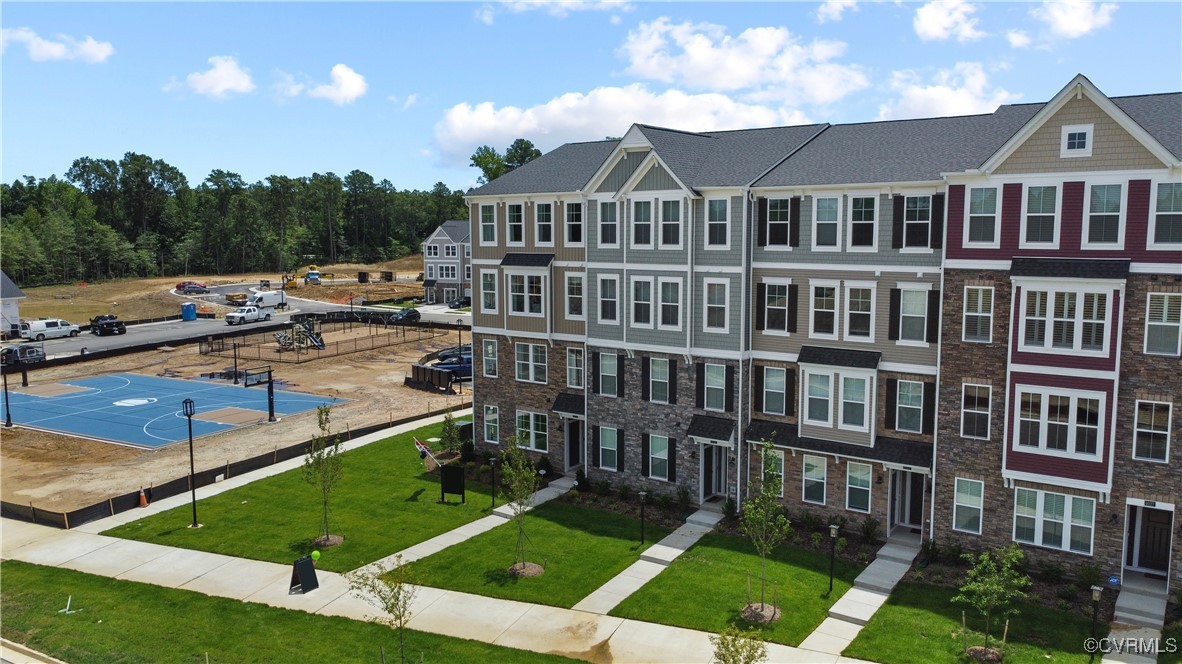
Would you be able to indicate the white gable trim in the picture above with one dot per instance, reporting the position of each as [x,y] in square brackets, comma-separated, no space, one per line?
[634,139]
[439,233]
[653,159]
[1079,85]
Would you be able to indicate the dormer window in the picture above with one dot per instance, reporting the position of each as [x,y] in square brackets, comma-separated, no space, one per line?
[1076,141]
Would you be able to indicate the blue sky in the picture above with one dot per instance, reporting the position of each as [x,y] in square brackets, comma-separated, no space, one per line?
[407,91]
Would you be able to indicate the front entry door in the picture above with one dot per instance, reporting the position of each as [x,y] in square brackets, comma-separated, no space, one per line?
[713,471]
[1155,539]
[906,499]
[574,444]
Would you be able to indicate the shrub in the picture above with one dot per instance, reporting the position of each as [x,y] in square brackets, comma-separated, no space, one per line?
[1087,576]
[470,470]
[683,498]
[545,468]
[603,487]
[1067,593]
[954,553]
[917,574]
[581,480]
[869,528]
[625,491]
[816,540]
[929,551]
[839,521]
[841,544]
[809,522]
[467,451]
[1050,572]
[729,509]
[485,471]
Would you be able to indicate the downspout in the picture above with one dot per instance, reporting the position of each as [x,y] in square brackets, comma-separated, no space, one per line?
[939,367]
[744,358]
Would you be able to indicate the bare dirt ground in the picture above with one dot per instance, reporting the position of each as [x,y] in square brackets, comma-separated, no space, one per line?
[62,473]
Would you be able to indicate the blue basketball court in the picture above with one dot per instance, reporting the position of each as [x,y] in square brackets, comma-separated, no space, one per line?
[145,411]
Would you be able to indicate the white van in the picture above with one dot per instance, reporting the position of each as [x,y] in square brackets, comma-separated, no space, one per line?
[268,299]
[48,328]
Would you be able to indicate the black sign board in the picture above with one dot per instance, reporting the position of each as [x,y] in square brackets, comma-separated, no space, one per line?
[451,480]
[303,576]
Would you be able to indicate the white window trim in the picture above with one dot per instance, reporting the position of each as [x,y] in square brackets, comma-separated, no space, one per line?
[988,411]
[652,225]
[1067,525]
[1022,243]
[1145,344]
[509,294]
[838,223]
[681,225]
[727,221]
[956,504]
[615,448]
[873,311]
[480,239]
[763,471]
[538,225]
[896,406]
[911,288]
[566,241]
[968,202]
[571,352]
[615,374]
[784,394]
[1150,242]
[1048,338]
[1089,129]
[448,272]
[454,251]
[681,308]
[824,283]
[867,404]
[1137,429]
[965,313]
[430,270]
[706,388]
[652,309]
[804,398]
[582,276]
[495,292]
[1044,403]
[652,455]
[869,487]
[927,249]
[508,235]
[496,362]
[599,224]
[614,278]
[468,272]
[652,379]
[787,246]
[531,366]
[726,306]
[496,418]
[820,462]
[533,423]
[431,251]
[1085,241]
[786,283]
[849,223]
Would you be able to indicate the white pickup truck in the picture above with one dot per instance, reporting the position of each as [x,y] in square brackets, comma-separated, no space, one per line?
[247,315]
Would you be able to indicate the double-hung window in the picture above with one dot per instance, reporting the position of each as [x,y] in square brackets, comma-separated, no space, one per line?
[430,271]
[982,228]
[1152,437]
[525,294]
[608,226]
[516,224]
[774,390]
[574,368]
[779,217]
[1167,219]
[489,358]
[857,487]
[859,312]
[642,302]
[670,223]
[978,314]
[1059,422]
[909,406]
[447,273]
[488,225]
[488,292]
[531,362]
[574,296]
[517,293]
[531,431]
[1041,210]
[1078,320]
[776,310]
[1163,324]
[773,471]
[492,424]
[432,251]
[450,251]
[814,480]
[717,305]
[826,223]
[715,387]
[824,311]
[863,235]
[670,303]
[609,374]
[917,221]
[544,224]
[1104,212]
[967,505]
[574,224]
[608,448]
[717,223]
[854,400]
[818,408]
[1054,520]
[608,300]
[658,453]
[658,380]
[913,315]
[974,411]
[642,224]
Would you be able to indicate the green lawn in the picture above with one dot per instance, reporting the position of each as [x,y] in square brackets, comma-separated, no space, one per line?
[383,504]
[919,623]
[1175,657]
[706,589]
[124,621]
[582,549]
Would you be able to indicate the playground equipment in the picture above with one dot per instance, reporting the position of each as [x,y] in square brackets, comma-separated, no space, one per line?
[303,335]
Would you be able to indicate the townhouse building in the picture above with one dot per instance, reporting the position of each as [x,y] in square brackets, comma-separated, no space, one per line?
[447,262]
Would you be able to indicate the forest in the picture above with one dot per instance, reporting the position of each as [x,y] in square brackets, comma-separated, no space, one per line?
[140,216]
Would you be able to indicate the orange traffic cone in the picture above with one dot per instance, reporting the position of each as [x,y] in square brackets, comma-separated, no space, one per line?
[143,498]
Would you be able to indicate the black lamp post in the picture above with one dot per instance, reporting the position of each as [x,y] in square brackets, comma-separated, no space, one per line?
[189,409]
[460,331]
[7,408]
[643,495]
[492,464]
[1097,591]
[833,528]
[235,362]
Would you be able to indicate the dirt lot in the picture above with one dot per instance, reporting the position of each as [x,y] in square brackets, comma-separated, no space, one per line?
[62,473]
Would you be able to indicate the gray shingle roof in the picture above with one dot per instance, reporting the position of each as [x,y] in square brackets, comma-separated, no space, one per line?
[8,289]
[839,357]
[565,168]
[519,259]
[726,158]
[429,283]
[1160,115]
[711,428]
[568,404]
[457,229]
[1070,269]
[890,450]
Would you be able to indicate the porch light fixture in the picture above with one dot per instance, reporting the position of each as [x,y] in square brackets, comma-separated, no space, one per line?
[833,528]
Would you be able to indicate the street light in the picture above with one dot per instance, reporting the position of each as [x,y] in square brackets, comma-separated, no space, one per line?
[460,331]
[1097,591]
[833,528]
[643,495]
[189,409]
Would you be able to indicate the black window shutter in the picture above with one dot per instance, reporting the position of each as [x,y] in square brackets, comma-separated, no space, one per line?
[938,221]
[730,389]
[790,391]
[595,446]
[897,223]
[620,374]
[594,373]
[891,403]
[794,222]
[893,321]
[793,294]
[672,460]
[700,385]
[761,222]
[672,381]
[644,454]
[933,334]
[644,378]
[757,387]
[929,408]
[619,450]
[760,305]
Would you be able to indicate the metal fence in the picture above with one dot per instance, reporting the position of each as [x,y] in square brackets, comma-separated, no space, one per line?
[263,346]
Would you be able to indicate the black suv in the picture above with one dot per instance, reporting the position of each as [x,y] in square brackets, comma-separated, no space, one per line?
[107,324]
[405,316]
[22,353]
[460,303]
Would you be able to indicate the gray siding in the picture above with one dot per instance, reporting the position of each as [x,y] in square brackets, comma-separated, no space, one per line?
[656,336]
[730,340]
[596,253]
[595,329]
[621,172]
[657,179]
[720,257]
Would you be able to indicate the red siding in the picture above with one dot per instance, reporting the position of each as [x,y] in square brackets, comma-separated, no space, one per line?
[955,226]
[1137,214]
[1068,361]
[1071,222]
[1011,224]
[1059,466]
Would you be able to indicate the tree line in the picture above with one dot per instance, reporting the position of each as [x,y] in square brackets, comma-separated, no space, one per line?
[140,216]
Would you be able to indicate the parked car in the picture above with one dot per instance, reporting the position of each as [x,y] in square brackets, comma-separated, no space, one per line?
[453,353]
[194,289]
[461,367]
[405,316]
[181,285]
[107,324]
[460,302]
[24,353]
[48,328]
[243,315]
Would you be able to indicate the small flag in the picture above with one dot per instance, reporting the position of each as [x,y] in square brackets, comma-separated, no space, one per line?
[422,448]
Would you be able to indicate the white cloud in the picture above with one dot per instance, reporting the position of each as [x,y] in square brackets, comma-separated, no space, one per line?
[411,100]
[224,75]
[831,10]
[606,111]
[1018,38]
[40,49]
[944,19]
[556,8]
[765,62]
[962,90]
[347,86]
[1074,18]
[287,86]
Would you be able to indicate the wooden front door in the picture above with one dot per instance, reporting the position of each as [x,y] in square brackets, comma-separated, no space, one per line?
[1155,539]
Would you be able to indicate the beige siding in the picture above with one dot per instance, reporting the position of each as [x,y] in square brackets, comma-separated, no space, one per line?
[561,251]
[480,319]
[562,323]
[1112,147]
[479,251]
